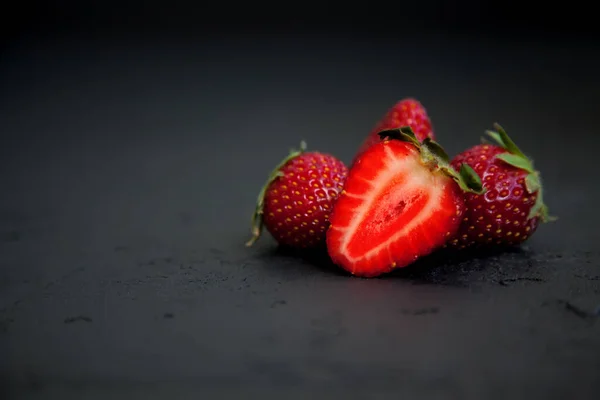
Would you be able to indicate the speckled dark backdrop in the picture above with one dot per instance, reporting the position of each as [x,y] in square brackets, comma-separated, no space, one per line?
[129,165]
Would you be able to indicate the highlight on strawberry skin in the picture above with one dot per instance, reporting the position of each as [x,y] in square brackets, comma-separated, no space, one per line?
[402,200]
[296,201]
[512,207]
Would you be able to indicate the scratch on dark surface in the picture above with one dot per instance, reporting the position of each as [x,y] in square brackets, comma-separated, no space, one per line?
[573,309]
[186,218]
[64,277]
[83,318]
[277,372]
[216,251]
[12,236]
[588,277]
[156,261]
[278,303]
[327,330]
[119,249]
[4,324]
[421,311]
[506,282]
[157,276]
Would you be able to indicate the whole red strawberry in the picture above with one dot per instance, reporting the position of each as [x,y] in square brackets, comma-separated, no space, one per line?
[297,199]
[512,207]
[401,201]
[406,112]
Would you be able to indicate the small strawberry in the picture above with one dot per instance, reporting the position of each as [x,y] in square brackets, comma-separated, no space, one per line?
[406,112]
[512,207]
[401,201]
[297,199]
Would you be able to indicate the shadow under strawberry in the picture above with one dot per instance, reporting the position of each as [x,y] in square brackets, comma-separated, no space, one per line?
[465,267]
[315,257]
[443,267]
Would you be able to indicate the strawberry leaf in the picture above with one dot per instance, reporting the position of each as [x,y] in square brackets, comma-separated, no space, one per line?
[495,136]
[466,181]
[532,183]
[516,161]
[437,150]
[540,210]
[435,157]
[517,158]
[404,133]
[470,177]
[502,138]
[407,130]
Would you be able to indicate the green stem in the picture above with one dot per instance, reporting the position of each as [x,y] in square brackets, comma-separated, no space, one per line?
[434,157]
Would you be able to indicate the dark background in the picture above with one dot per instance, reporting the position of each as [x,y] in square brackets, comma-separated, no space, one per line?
[134,137]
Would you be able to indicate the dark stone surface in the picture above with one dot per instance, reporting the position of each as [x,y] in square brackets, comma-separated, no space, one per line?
[128,172]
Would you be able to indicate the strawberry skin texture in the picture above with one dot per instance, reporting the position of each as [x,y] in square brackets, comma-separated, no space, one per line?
[393,210]
[298,204]
[406,112]
[500,216]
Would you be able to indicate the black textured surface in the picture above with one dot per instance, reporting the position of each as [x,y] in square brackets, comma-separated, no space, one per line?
[128,172]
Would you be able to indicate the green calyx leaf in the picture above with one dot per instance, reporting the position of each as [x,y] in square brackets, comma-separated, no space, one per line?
[470,177]
[404,133]
[495,138]
[435,158]
[532,183]
[436,150]
[516,158]
[466,178]
[539,209]
[503,140]
[434,155]
[257,215]
[517,161]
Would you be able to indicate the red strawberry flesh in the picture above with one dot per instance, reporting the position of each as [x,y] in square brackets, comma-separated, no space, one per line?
[394,209]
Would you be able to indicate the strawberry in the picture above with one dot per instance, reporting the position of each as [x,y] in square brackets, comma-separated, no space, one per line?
[406,112]
[297,199]
[512,207]
[401,200]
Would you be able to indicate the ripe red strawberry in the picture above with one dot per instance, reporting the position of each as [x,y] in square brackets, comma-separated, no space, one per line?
[298,197]
[512,207]
[406,112]
[401,201]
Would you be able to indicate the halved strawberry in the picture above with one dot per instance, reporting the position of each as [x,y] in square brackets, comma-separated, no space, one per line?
[401,200]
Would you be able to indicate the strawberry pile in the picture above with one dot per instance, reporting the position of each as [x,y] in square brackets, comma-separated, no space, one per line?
[402,197]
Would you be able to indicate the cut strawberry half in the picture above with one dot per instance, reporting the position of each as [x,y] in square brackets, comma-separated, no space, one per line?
[401,200]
